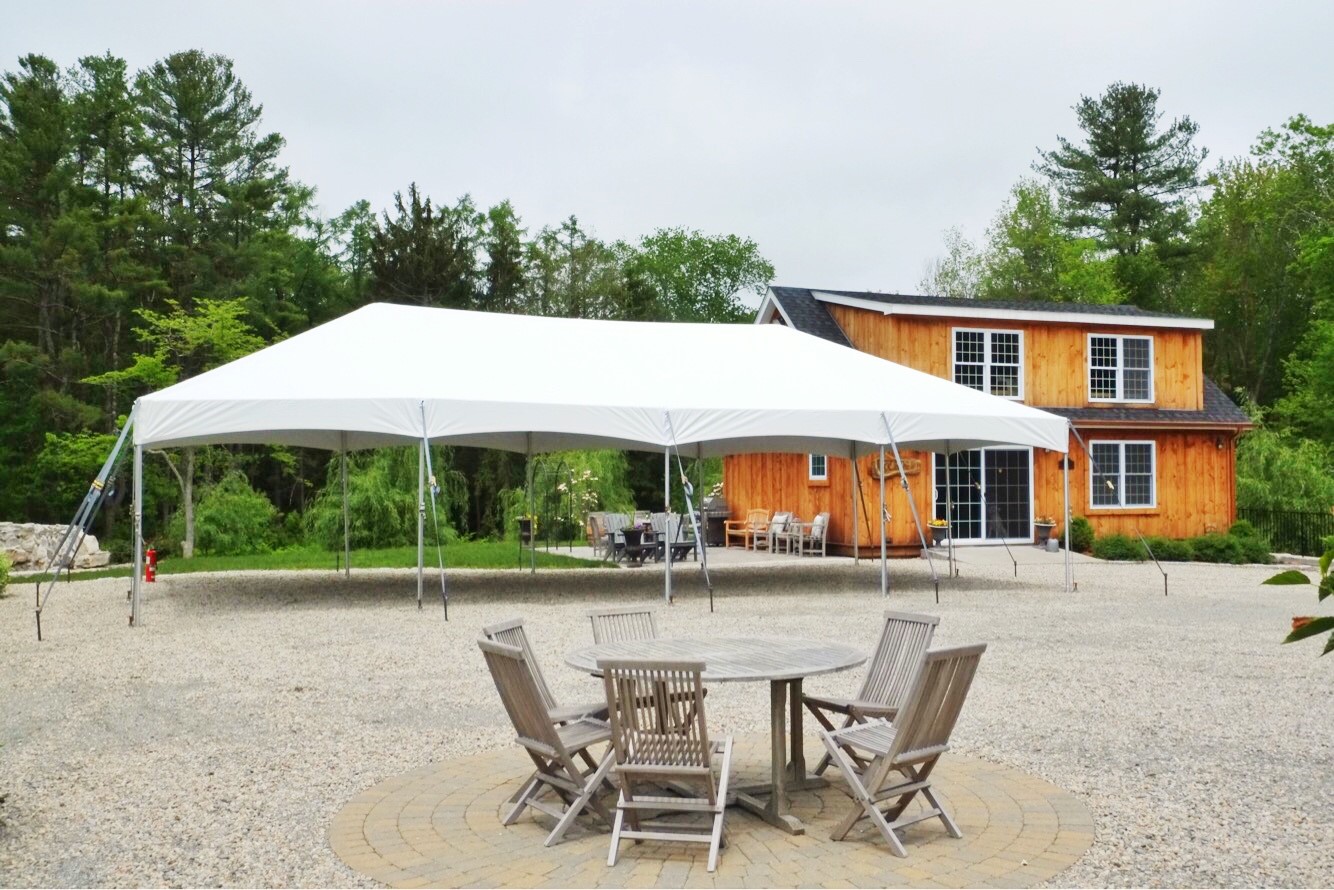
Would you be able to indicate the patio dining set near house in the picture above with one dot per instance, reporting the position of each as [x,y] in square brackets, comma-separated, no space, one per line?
[641,762]
[635,538]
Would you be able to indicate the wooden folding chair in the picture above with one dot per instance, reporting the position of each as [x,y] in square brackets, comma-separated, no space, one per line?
[904,639]
[777,528]
[616,623]
[660,735]
[552,748]
[512,633]
[755,523]
[902,754]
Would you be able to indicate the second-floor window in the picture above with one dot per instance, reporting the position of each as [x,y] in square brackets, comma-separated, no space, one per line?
[1120,369]
[818,467]
[992,361]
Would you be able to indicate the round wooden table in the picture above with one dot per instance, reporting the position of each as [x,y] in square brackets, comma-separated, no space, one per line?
[782,661]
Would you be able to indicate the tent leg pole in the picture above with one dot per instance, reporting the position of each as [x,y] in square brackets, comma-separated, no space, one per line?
[884,564]
[347,539]
[667,522]
[529,473]
[949,514]
[1065,538]
[138,521]
[421,517]
[852,489]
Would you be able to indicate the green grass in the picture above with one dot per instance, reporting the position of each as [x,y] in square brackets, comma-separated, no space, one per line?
[1291,576]
[459,555]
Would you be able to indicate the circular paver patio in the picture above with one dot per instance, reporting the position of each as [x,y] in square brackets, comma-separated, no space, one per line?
[439,825]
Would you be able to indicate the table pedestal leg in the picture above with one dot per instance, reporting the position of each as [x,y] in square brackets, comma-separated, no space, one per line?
[785,774]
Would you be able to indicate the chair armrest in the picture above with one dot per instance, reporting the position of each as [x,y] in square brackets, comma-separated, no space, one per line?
[567,713]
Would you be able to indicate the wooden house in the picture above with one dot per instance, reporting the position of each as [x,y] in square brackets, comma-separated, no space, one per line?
[1161,435]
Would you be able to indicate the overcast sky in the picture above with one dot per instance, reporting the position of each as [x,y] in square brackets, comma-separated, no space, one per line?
[842,137]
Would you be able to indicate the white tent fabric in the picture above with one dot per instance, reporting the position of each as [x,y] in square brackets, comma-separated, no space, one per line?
[378,375]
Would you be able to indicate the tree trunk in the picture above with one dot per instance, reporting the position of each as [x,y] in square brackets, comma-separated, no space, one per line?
[188,488]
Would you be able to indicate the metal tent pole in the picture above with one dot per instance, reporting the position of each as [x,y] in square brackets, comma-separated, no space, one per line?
[949,512]
[884,564]
[852,489]
[1065,538]
[347,540]
[421,516]
[667,521]
[532,510]
[138,534]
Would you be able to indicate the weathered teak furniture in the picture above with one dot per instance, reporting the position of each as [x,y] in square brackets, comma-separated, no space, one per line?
[597,535]
[789,540]
[552,748]
[670,531]
[777,526]
[904,639]
[512,633]
[783,663]
[615,624]
[812,534]
[660,735]
[902,754]
[755,523]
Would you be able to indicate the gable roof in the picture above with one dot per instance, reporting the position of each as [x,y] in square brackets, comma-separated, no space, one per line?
[800,309]
[806,300]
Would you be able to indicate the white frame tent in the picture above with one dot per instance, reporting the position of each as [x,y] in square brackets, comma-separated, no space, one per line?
[388,374]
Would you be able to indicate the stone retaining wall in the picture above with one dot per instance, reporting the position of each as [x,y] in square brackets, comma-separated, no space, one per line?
[31,547]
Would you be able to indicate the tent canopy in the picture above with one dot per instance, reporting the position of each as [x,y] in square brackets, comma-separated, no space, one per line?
[387,374]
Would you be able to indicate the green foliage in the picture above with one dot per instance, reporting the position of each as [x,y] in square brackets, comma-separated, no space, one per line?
[67,465]
[1214,547]
[1170,549]
[1119,547]
[1323,623]
[1276,470]
[695,277]
[1080,535]
[4,574]
[1255,546]
[233,519]
[1128,185]
[382,500]
[1291,576]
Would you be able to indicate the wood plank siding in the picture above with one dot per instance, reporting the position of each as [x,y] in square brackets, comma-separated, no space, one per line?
[1194,468]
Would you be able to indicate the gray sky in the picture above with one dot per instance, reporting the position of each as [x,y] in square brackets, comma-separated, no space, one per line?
[842,137]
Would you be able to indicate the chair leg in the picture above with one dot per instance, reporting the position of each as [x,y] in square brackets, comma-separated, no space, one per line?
[950,827]
[526,793]
[716,840]
[615,850]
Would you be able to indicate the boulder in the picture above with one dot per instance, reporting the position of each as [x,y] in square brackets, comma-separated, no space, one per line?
[31,546]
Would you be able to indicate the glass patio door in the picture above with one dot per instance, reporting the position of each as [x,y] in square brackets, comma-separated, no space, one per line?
[992,494]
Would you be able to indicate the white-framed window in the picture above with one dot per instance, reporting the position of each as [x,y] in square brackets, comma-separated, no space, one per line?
[1120,368]
[992,361]
[817,467]
[1124,474]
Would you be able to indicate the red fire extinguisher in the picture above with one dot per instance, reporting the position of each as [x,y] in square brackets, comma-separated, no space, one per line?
[150,565]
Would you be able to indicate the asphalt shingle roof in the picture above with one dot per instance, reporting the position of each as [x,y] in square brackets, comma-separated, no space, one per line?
[1218,409]
[809,315]
[1120,310]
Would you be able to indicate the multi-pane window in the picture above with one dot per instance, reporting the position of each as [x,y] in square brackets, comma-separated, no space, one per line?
[819,466]
[991,361]
[1120,368]
[1123,474]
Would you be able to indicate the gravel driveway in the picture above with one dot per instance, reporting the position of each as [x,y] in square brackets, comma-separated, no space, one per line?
[213,745]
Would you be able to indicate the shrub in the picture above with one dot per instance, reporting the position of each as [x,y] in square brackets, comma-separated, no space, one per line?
[1119,547]
[233,519]
[1218,548]
[1171,549]
[1081,535]
[4,573]
[1291,576]
[1253,544]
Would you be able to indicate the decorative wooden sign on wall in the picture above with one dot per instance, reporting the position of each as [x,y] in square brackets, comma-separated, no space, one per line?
[911,467]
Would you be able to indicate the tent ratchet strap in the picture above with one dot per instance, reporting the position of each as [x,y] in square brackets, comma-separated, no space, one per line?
[77,530]
[434,488]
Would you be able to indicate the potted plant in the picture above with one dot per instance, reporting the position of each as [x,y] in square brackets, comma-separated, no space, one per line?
[1043,525]
[938,529]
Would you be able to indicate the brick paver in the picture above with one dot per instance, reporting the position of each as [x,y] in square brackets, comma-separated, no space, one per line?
[439,826]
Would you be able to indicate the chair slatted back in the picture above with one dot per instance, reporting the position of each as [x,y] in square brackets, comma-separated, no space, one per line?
[518,688]
[596,530]
[904,639]
[617,624]
[923,728]
[778,524]
[657,712]
[757,520]
[512,633]
[819,526]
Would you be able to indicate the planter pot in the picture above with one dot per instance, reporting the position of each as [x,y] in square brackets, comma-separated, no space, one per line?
[937,535]
[1043,532]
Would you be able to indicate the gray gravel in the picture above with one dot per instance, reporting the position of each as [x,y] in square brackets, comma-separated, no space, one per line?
[213,745]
